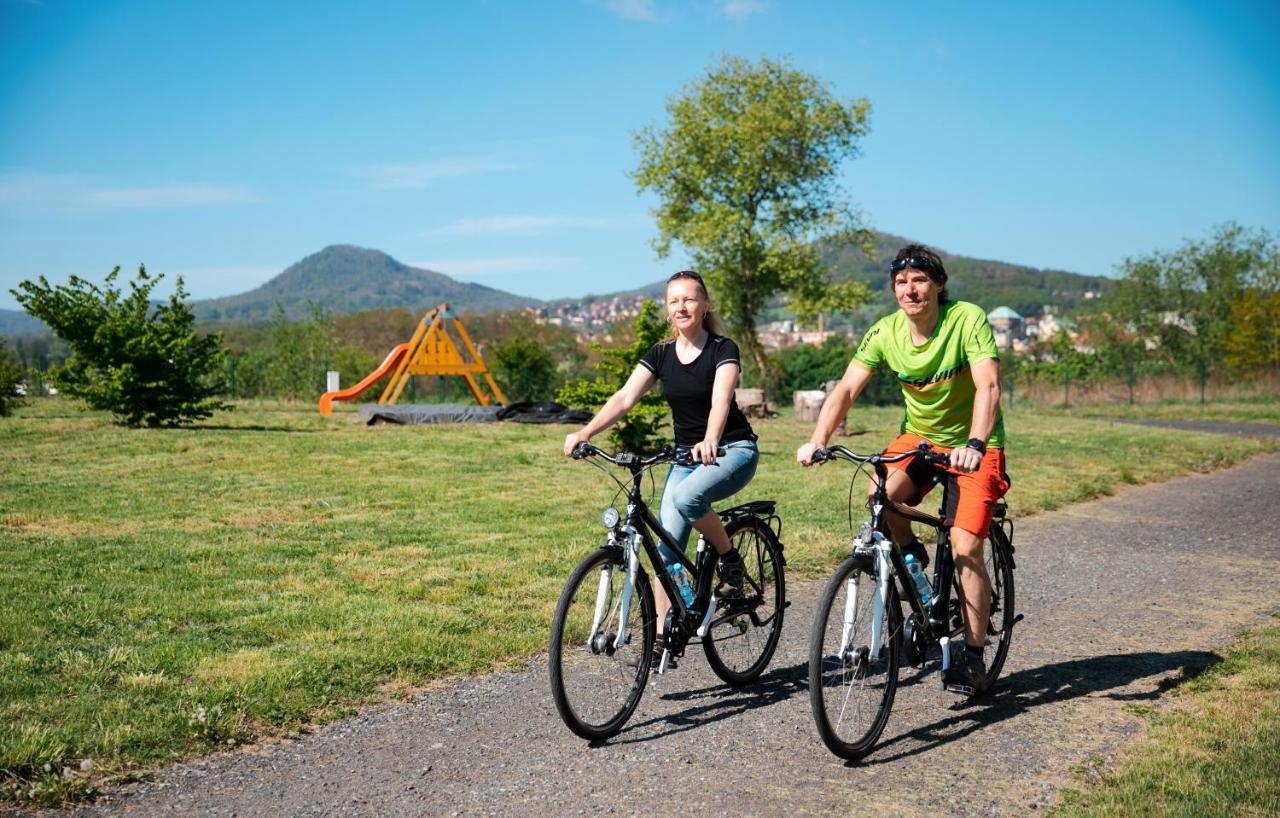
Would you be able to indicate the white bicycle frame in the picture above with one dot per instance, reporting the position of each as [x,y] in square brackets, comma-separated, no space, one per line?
[877,544]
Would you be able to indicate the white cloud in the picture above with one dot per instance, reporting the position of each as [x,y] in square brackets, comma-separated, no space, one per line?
[641,10]
[79,190]
[740,10]
[525,225]
[497,267]
[423,174]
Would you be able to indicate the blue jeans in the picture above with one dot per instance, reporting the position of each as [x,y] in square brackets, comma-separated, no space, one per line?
[691,490]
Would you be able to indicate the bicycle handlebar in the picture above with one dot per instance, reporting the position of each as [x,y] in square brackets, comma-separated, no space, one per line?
[680,456]
[924,450]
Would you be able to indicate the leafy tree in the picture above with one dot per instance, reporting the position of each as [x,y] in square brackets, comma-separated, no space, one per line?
[290,361]
[640,430]
[10,381]
[141,361]
[746,174]
[524,367]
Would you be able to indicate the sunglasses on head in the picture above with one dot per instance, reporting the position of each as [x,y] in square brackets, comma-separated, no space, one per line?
[914,262]
[685,274]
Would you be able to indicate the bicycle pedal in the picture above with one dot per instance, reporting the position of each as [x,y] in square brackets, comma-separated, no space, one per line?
[963,690]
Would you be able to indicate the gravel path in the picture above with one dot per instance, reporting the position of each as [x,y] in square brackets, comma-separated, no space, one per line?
[1221,427]
[1120,595]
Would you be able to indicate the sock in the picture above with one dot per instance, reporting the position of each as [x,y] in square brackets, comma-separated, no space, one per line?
[974,650]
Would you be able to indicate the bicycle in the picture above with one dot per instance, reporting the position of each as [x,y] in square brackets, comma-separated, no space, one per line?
[603,631]
[860,635]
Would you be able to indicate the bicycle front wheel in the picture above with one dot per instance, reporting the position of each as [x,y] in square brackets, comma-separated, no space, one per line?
[596,682]
[744,631]
[852,679]
[999,560]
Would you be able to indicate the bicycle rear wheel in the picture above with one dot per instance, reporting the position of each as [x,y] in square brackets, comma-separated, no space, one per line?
[595,685]
[745,631]
[999,561]
[851,687]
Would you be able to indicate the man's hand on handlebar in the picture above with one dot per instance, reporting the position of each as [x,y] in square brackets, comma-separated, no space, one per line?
[964,459]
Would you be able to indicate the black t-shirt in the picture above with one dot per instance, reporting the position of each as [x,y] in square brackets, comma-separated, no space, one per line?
[687,388]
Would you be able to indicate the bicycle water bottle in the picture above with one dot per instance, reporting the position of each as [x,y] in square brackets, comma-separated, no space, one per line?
[917,575]
[681,579]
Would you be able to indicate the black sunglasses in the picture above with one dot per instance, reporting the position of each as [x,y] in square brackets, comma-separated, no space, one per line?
[686,274]
[923,263]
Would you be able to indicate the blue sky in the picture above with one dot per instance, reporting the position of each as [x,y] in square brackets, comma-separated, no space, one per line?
[492,140]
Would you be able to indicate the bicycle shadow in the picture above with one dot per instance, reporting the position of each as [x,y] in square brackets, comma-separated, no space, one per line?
[1027,689]
[721,701]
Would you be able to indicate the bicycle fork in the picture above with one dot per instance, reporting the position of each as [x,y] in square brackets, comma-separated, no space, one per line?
[877,544]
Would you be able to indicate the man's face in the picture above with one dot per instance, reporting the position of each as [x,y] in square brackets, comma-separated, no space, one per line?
[916,293]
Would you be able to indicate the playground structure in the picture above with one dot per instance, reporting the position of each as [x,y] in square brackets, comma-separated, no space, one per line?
[431,351]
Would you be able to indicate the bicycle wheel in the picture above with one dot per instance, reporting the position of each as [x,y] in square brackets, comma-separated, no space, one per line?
[595,685]
[851,687]
[744,633]
[999,560]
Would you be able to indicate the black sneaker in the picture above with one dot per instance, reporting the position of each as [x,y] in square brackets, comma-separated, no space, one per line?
[966,675]
[731,575]
[659,648]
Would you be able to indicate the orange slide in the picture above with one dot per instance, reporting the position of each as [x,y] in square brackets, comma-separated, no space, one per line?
[351,392]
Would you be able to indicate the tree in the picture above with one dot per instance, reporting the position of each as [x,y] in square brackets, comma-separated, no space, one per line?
[10,381]
[746,174]
[639,430]
[524,367]
[141,361]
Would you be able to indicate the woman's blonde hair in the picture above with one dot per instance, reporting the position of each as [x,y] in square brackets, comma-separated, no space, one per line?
[709,321]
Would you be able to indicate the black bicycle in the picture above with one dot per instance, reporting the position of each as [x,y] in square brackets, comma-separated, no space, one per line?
[604,629]
[860,635]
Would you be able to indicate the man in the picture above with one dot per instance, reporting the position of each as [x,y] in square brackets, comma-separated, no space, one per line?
[945,358]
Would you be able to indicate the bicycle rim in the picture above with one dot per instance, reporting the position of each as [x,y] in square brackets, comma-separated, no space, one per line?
[595,685]
[742,640]
[851,689]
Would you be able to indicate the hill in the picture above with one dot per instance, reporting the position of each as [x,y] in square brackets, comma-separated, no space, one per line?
[989,284]
[14,323]
[347,279]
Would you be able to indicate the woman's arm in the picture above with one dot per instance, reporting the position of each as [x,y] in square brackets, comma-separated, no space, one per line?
[618,404]
[721,396]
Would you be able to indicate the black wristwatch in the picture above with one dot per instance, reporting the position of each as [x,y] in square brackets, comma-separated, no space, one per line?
[977,444]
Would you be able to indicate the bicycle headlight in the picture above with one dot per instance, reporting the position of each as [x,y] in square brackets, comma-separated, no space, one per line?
[610,517]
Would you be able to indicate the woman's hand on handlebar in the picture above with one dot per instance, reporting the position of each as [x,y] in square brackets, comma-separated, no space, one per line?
[704,452]
[804,454]
[572,440]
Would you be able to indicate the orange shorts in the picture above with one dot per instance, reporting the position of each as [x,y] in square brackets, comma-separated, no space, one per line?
[971,497]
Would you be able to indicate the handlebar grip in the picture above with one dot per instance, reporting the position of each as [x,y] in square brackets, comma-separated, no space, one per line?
[581,451]
[820,456]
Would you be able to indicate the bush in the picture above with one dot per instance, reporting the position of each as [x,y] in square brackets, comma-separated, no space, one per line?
[10,381]
[640,430]
[141,361]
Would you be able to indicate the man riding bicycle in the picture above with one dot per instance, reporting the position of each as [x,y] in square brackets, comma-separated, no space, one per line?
[945,357]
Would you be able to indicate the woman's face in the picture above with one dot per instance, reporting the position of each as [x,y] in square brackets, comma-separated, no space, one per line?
[686,305]
[916,293]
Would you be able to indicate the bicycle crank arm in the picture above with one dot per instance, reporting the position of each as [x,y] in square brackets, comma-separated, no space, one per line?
[705,626]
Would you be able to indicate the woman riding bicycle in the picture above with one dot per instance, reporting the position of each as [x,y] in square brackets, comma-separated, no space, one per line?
[699,369]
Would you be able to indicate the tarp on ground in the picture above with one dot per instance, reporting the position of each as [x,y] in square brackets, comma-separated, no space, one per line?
[413,413]
[546,412]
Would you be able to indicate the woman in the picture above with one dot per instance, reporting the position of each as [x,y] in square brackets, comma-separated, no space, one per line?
[699,369]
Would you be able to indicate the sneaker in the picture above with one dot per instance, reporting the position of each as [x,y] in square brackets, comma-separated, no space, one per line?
[660,647]
[731,575]
[966,674]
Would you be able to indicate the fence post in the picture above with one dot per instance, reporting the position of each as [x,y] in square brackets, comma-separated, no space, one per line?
[1066,388]
[1202,380]
[232,361]
[443,388]
[1131,384]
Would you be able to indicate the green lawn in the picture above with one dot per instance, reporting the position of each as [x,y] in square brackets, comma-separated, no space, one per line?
[1214,753]
[1262,410]
[170,591]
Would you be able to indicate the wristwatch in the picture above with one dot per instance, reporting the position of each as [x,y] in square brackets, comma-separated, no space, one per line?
[977,444]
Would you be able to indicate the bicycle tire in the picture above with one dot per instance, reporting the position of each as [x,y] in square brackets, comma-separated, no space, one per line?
[999,562]
[596,688]
[739,646]
[839,677]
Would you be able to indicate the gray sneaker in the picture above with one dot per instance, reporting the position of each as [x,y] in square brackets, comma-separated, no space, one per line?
[966,675]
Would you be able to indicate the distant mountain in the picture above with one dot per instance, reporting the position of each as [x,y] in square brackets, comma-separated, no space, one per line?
[989,284]
[16,322]
[347,279]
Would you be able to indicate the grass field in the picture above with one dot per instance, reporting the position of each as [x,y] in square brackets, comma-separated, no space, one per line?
[1262,410]
[1213,754]
[167,592]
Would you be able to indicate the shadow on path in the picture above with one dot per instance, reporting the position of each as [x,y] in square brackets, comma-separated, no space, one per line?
[1033,687]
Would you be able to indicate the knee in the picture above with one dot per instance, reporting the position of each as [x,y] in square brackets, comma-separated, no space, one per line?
[690,504]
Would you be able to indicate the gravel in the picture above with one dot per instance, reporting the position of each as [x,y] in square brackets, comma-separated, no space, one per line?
[1120,595]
